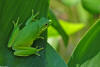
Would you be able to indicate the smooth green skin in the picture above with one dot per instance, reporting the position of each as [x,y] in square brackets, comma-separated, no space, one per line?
[22,40]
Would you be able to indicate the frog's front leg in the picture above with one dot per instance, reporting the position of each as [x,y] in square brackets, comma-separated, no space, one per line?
[32,18]
[26,51]
[14,33]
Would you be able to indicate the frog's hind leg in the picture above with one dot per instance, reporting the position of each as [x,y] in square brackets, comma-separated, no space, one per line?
[27,51]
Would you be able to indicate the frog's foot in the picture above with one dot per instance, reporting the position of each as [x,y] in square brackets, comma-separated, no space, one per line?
[16,23]
[38,51]
[32,18]
[40,37]
[27,51]
[37,54]
[34,15]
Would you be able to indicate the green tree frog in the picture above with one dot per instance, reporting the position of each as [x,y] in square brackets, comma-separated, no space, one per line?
[21,40]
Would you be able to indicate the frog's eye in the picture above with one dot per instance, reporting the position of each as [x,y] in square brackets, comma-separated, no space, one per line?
[46,24]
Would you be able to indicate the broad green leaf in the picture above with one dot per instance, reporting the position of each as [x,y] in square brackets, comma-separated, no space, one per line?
[88,47]
[92,6]
[58,27]
[12,9]
[94,62]
[52,58]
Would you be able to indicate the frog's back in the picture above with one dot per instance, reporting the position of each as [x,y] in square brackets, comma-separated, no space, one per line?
[27,35]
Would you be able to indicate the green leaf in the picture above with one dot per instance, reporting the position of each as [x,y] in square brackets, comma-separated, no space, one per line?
[92,6]
[71,28]
[94,62]
[54,60]
[58,27]
[88,47]
[12,9]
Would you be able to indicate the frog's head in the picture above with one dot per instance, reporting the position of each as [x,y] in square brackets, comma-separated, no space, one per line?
[43,24]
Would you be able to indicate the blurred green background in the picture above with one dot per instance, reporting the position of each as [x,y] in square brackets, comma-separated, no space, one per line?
[74,19]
